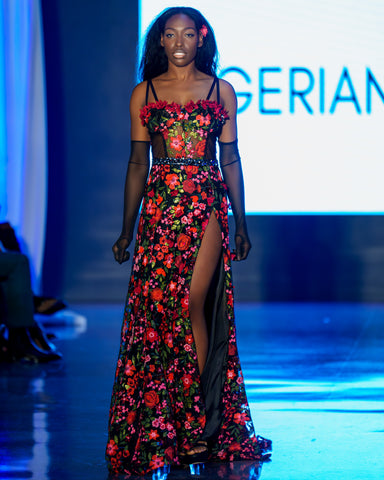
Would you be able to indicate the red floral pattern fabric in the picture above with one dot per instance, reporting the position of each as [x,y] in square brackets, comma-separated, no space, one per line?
[157,409]
[184,129]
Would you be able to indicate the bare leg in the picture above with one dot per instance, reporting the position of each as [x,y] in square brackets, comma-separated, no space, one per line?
[205,266]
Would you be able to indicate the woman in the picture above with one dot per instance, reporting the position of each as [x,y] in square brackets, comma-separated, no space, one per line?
[178,396]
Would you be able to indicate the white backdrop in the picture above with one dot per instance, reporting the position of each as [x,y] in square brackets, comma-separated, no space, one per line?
[309,76]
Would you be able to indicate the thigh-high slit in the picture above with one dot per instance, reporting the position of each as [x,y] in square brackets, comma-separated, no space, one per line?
[205,266]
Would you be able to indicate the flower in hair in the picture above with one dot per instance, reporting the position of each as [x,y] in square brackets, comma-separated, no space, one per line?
[204,30]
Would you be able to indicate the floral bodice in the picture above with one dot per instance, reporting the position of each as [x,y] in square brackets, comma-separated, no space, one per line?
[186,131]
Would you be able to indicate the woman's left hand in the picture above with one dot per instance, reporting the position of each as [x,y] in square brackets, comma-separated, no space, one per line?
[243,246]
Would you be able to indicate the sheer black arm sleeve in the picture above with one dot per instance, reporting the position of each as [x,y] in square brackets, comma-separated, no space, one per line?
[135,180]
[233,177]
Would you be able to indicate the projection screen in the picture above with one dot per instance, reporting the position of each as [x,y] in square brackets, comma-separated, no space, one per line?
[309,77]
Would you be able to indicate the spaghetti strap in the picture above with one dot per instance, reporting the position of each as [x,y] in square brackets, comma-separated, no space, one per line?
[150,84]
[218,90]
[146,92]
[212,87]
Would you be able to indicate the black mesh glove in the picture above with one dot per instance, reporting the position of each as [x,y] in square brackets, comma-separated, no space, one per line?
[137,173]
[233,177]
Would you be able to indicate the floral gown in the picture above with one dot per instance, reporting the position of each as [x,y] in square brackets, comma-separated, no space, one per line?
[160,404]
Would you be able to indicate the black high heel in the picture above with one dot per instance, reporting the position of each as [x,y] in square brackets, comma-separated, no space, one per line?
[20,346]
[40,339]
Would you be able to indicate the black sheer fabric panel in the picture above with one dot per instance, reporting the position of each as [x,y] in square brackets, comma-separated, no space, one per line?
[210,148]
[233,177]
[158,146]
[137,173]
[213,375]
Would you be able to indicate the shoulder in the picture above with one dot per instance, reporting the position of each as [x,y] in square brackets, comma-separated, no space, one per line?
[138,95]
[226,89]
[228,96]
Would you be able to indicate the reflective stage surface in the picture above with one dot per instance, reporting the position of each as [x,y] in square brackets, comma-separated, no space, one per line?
[315,381]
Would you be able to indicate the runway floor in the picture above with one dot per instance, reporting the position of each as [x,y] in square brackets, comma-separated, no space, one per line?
[315,381]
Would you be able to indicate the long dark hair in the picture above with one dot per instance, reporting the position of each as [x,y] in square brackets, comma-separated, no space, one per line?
[154,61]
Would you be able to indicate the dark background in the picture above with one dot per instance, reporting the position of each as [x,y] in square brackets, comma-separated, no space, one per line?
[90,49]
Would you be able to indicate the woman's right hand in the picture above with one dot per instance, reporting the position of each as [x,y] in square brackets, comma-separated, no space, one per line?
[119,249]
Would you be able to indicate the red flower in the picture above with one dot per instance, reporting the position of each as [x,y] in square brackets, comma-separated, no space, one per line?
[202,421]
[131,417]
[190,417]
[185,303]
[151,208]
[172,180]
[115,463]
[168,260]
[157,294]
[165,241]
[187,380]
[129,368]
[169,340]
[152,335]
[160,104]
[203,120]
[200,148]
[160,271]
[189,186]
[191,169]
[145,115]
[190,106]
[177,143]
[189,339]
[156,215]
[151,399]
[156,462]
[241,418]
[169,453]
[170,122]
[153,435]
[183,242]
[203,30]
[179,263]
[112,448]
[173,108]
[230,374]
[179,209]
[234,447]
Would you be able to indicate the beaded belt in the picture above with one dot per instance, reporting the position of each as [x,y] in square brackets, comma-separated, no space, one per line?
[184,161]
